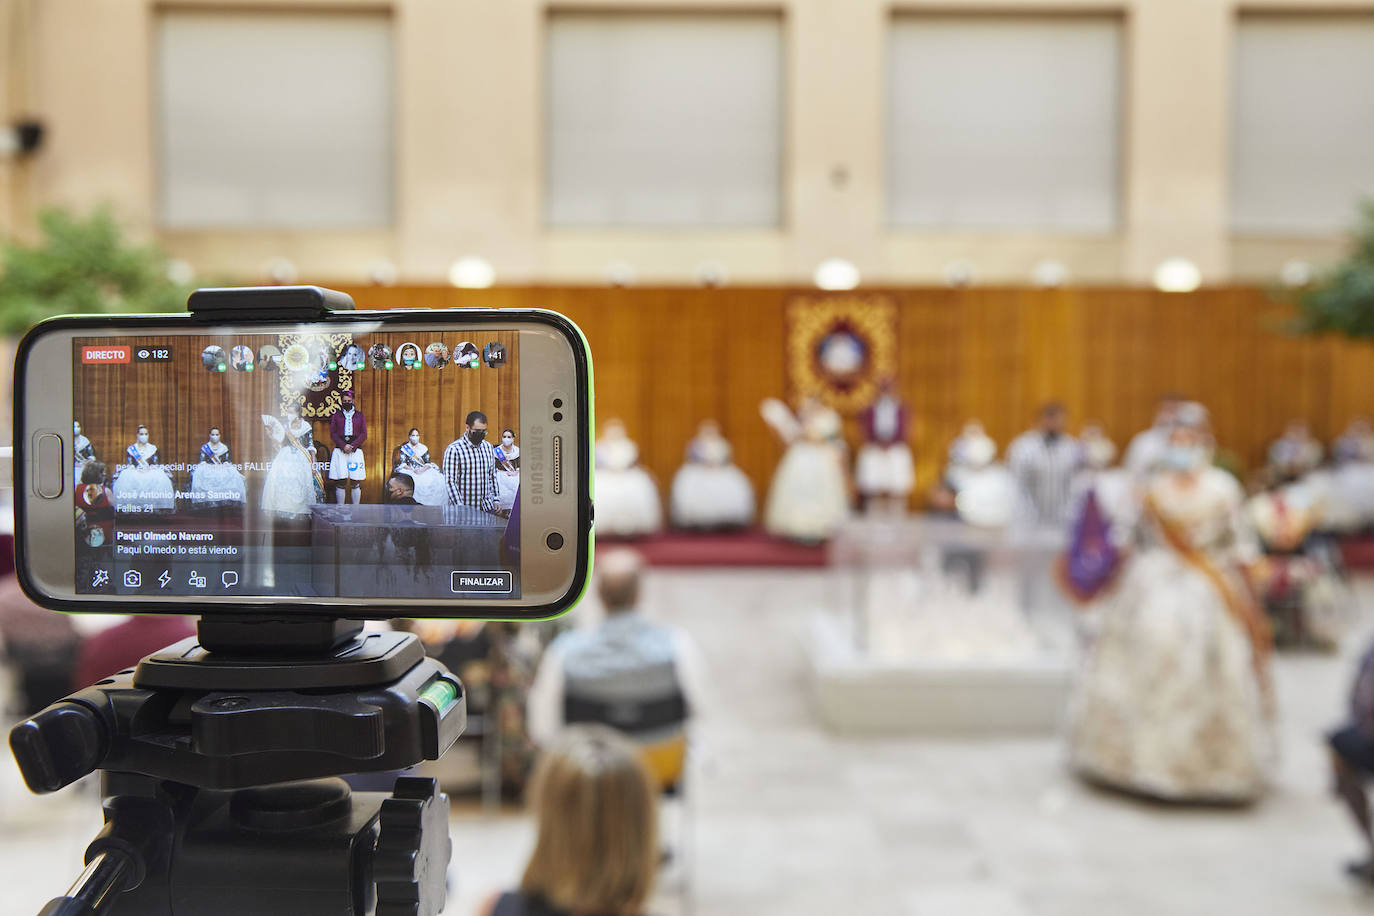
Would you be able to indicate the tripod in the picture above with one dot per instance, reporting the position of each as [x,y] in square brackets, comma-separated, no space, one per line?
[219,759]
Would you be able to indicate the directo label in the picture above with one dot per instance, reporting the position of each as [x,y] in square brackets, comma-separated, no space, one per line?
[105,354]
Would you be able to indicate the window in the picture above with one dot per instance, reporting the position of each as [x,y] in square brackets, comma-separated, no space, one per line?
[278,120]
[665,120]
[1302,138]
[1003,122]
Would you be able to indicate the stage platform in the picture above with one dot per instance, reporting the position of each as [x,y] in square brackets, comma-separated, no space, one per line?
[752,547]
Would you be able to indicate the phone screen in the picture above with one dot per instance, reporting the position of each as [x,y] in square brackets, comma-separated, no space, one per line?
[340,463]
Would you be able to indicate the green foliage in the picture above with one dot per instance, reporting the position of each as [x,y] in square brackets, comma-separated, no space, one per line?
[83,265]
[1342,301]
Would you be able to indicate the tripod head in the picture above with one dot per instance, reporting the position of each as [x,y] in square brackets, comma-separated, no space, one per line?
[203,749]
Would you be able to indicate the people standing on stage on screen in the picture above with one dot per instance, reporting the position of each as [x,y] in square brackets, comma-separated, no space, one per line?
[347,466]
[401,490]
[1147,449]
[94,507]
[709,491]
[293,482]
[470,467]
[82,452]
[809,497]
[1295,453]
[507,470]
[143,485]
[885,472]
[1044,461]
[1175,698]
[627,500]
[352,359]
[215,482]
[427,478]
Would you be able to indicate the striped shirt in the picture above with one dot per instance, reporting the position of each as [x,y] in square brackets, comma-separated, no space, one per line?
[470,471]
[1044,473]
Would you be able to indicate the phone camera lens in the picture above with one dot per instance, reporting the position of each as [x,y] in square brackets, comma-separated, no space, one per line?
[558,418]
[554,541]
[557,402]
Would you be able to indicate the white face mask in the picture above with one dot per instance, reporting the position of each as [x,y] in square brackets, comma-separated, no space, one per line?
[143,438]
[214,437]
[414,438]
[76,429]
[507,440]
[1185,457]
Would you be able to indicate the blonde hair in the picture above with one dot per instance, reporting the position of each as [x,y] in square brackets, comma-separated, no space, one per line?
[597,814]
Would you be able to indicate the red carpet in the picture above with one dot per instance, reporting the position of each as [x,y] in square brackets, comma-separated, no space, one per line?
[740,548]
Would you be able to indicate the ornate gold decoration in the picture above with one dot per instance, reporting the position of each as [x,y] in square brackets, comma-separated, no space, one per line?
[840,348]
[296,378]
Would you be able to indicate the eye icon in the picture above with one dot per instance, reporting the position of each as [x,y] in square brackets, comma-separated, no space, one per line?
[143,354]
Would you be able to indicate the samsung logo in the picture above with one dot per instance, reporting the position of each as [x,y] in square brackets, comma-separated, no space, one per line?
[535,479]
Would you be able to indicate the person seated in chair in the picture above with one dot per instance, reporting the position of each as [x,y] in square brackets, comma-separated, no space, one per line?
[596,850]
[642,678]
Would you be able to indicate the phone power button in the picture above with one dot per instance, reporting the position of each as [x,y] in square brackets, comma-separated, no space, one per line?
[51,470]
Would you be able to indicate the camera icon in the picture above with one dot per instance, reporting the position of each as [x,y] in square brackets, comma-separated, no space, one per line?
[132,578]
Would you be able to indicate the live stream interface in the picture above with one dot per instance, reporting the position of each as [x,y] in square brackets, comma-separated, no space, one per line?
[340,464]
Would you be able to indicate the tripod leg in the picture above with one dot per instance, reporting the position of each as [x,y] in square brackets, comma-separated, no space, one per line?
[104,879]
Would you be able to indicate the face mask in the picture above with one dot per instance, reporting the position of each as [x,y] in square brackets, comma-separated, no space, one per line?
[1183,457]
[214,437]
[1052,436]
[348,405]
[76,428]
[142,437]
[414,438]
[507,440]
[477,436]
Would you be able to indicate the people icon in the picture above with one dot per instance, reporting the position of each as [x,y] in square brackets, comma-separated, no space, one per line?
[408,356]
[352,358]
[494,354]
[379,356]
[213,358]
[215,481]
[436,355]
[466,355]
[241,358]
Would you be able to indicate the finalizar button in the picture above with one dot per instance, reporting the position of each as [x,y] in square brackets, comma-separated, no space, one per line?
[494,582]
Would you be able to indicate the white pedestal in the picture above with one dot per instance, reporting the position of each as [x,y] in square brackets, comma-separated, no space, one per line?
[857,694]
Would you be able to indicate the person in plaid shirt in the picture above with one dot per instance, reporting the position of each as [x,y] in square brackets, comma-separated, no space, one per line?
[470,467]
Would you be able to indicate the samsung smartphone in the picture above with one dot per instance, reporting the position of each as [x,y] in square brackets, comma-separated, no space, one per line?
[413,463]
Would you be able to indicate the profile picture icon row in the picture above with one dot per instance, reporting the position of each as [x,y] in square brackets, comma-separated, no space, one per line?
[356,357]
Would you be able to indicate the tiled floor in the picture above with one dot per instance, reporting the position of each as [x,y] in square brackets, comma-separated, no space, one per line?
[791,821]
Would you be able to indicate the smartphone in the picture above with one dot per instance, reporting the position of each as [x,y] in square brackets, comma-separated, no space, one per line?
[411,463]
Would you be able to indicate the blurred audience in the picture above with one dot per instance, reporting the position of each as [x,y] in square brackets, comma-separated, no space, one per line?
[41,646]
[124,645]
[596,851]
[643,678]
[1146,451]
[1044,461]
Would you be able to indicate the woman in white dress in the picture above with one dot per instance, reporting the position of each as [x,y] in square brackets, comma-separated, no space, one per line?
[809,496]
[143,485]
[82,452]
[507,470]
[709,490]
[215,482]
[412,460]
[627,501]
[293,481]
[1175,700]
